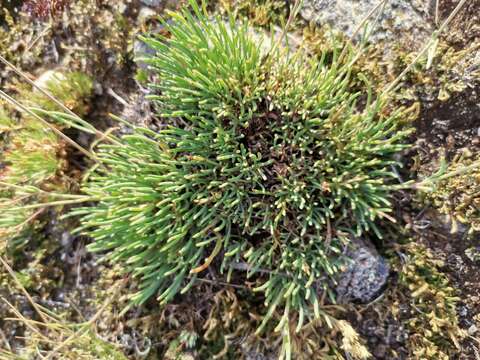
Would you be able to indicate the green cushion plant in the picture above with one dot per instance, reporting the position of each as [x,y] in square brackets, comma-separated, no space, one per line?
[267,165]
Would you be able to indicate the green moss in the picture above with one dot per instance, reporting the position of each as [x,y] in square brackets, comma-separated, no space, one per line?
[32,154]
[29,157]
[30,162]
[73,89]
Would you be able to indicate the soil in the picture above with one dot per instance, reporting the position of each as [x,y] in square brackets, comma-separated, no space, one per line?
[454,123]
[465,28]
[453,126]
[463,271]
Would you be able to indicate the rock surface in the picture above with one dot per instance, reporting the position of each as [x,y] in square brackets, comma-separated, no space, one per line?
[151,3]
[398,18]
[365,277]
[141,51]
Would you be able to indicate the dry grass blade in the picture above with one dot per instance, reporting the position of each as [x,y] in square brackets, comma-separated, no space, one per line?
[37,190]
[50,330]
[85,327]
[5,340]
[296,8]
[27,322]
[22,288]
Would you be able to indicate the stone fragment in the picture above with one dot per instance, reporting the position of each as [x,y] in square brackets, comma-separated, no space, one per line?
[397,19]
[152,3]
[366,275]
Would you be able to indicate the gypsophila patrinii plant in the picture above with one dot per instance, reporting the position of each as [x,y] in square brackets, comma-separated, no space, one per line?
[267,166]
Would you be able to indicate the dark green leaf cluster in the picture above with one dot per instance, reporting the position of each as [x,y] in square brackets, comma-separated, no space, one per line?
[267,165]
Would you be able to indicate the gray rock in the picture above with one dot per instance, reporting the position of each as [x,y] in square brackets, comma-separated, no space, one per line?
[138,112]
[365,276]
[141,50]
[472,330]
[399,18]
[151,3]
[145,14]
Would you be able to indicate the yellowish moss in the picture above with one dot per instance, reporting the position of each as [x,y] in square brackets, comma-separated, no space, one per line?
[444,71]
[458,196]
[59,340]
[433,325]
[321,39]
[262,13]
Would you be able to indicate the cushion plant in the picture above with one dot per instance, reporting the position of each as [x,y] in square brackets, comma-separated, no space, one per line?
[268,164]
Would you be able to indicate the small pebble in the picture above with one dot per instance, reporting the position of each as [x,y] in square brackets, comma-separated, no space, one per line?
[146,14]
[151,3]
[380,351]
[472,330]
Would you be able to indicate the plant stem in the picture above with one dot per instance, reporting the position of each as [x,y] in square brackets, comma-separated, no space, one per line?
[27,188]
[22,288]
[55,203]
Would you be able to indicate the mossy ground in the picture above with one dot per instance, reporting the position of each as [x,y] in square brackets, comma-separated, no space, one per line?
[434,284]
